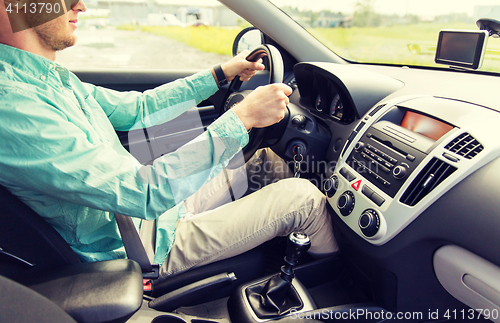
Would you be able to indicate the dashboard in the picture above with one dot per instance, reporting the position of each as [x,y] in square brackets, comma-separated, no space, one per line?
[403,157]
[412,189]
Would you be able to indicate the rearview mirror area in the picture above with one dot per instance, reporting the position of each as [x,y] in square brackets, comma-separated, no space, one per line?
[248,38]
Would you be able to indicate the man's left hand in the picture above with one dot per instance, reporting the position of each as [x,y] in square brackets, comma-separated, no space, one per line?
[239,66]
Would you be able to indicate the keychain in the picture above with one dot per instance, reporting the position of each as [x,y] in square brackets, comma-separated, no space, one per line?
[298,158]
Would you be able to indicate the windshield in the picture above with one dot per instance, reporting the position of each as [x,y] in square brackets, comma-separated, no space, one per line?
[402,32]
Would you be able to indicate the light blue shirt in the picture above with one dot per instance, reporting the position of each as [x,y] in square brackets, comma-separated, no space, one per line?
[60,154]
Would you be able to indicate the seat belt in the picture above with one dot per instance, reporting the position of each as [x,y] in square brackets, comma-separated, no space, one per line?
[134,247]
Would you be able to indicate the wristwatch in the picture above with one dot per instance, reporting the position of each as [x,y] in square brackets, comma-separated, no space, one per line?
[219,73]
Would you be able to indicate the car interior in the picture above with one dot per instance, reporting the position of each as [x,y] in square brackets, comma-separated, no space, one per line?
[406,156]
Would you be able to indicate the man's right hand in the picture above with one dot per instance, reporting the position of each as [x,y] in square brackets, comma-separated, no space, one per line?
[264,107]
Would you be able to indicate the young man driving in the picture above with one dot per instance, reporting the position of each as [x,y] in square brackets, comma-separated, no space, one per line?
[61,156]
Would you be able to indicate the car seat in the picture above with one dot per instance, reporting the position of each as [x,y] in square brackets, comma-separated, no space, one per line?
[29,246]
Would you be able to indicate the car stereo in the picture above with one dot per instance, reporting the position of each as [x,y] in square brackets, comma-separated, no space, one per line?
[389,151]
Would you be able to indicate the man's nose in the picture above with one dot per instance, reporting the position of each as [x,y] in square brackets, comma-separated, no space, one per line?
[77,5]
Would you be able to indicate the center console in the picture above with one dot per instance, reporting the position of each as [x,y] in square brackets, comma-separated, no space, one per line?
[402,156]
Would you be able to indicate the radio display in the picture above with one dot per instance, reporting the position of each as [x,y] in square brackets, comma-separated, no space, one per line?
[425,125]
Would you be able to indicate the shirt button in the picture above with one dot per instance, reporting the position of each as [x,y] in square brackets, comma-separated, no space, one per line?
[51,66]
[43,77]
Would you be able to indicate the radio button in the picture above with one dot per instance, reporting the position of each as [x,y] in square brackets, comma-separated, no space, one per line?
[377,199]
[383,168]
[359,146]
[367,191]
[392,160]
[388,165]
[399,172]
[410,157]
[347,175]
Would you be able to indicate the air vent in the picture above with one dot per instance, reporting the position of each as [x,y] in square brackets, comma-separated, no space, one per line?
[465,145]
[377,109]
[431,176]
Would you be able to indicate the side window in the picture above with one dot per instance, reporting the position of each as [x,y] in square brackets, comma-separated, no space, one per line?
[152,35]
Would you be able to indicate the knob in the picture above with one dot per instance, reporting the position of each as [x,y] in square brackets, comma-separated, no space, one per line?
[331,185]
[359,146]
[299,121]
[345,203]
[399,172]
[298,243]
[369,222]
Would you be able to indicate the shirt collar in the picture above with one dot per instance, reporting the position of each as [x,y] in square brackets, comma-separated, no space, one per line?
[32,64]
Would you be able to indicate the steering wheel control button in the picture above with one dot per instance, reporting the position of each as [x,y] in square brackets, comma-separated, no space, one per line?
[347,174]
[345,203]
[356,185]
[369,222]
[331,185]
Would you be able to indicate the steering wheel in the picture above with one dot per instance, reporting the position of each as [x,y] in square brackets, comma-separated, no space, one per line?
[257,135]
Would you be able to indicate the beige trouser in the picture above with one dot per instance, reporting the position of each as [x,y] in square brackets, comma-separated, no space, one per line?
[214,231]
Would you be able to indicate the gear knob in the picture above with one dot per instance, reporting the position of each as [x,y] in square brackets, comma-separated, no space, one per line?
[297,244]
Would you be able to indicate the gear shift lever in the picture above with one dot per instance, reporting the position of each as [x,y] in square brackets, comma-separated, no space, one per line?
[277,296]
[297,244]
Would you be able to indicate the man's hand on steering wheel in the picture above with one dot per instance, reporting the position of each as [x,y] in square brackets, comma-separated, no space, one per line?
[239,66]
[265,106]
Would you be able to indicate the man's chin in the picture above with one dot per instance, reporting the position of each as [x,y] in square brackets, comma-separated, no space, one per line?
[60,44]
[55,37]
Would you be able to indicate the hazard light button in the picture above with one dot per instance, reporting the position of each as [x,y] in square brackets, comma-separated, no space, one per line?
[356,185]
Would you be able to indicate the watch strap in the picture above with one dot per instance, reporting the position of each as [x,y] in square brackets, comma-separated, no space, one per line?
[219,73]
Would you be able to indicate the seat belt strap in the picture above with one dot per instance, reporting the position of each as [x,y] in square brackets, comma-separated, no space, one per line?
[147,234]
[132,243]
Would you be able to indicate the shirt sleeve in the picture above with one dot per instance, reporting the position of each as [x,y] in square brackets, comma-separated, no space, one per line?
[45,152]
[130,110]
